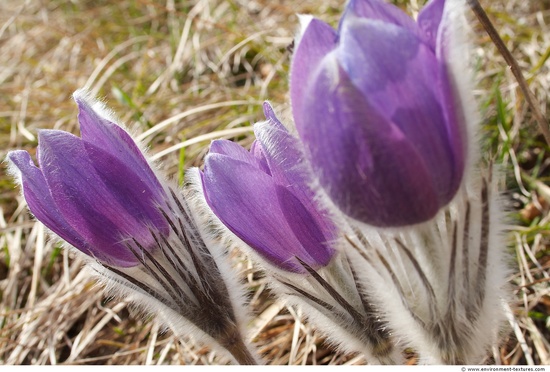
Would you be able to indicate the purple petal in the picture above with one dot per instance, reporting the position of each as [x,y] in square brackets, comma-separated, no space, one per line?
[377,55]
[270,116]
[131,189]
[429,19]
[257,148]
[309,229]
[316,42]
[378,10]
[365,162]
[248,202]
[258,152]
[110,137]
[41,203]
[90,206]
[398,74]
[232,150]
[283,153]
[286,160]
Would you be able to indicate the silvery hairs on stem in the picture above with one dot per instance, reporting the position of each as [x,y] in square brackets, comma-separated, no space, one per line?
[194,286]
[445,281]
[140,236]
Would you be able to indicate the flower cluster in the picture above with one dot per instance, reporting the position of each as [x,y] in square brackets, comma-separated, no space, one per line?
[371,219]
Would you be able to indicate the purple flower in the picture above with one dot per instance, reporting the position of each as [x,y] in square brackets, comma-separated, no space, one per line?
[96,192]
[376,107]
[263,197]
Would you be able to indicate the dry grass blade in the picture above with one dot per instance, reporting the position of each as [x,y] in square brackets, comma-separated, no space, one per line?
[514,67]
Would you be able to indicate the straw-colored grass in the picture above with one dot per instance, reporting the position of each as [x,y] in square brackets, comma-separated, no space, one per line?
[180,73]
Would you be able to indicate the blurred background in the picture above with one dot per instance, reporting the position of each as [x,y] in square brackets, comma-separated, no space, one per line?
[180,73]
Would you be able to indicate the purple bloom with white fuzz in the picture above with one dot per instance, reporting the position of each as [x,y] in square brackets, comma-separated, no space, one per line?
[96,191]
[99,193]
[376,107]
[263,197]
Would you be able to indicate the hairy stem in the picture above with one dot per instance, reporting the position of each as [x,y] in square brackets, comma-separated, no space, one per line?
[235,345]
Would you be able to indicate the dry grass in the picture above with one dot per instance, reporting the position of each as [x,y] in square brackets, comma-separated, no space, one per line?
[199,67]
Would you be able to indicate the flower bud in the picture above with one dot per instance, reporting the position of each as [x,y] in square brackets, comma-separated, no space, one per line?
[95,191]
[377,110]
[263,197]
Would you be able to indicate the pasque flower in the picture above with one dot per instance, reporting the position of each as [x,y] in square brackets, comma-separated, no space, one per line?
[377,108]
[263,197]
[99,193]
[382,106]
[95,191]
